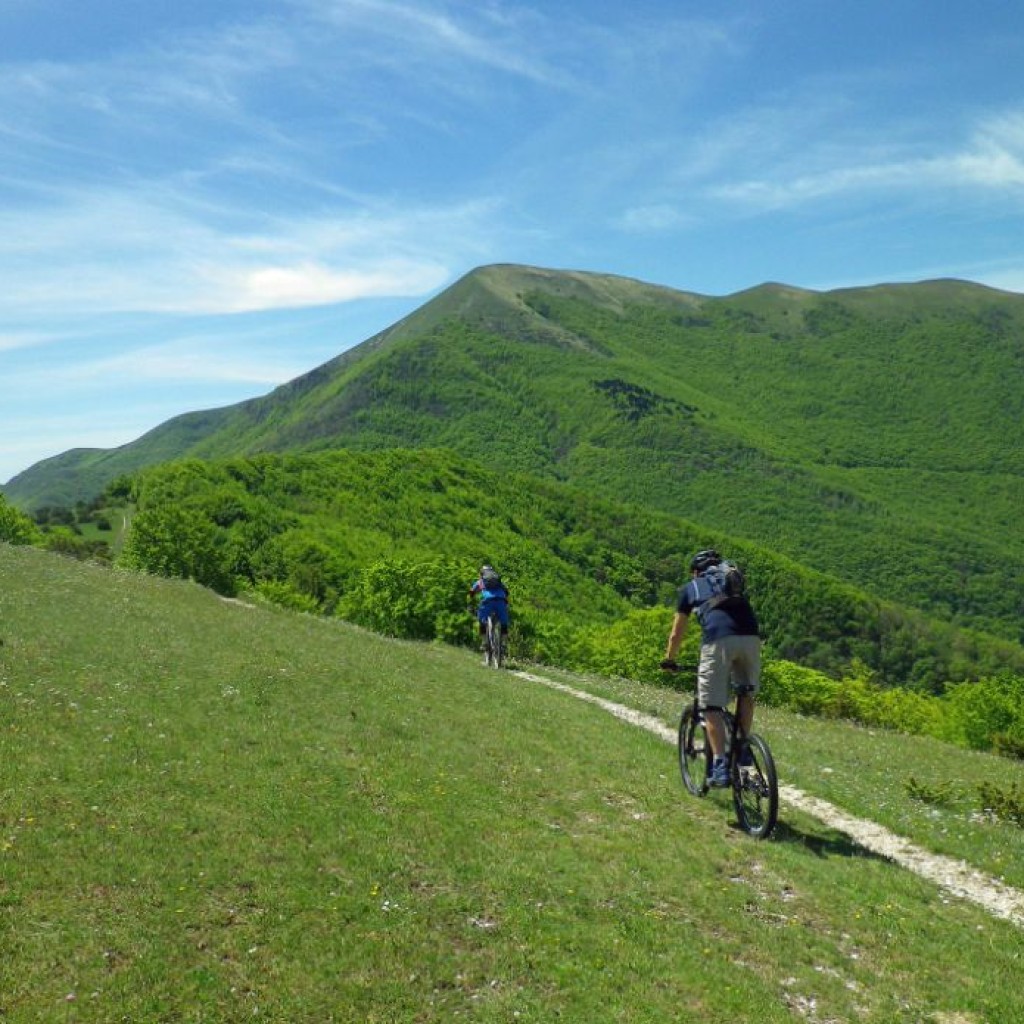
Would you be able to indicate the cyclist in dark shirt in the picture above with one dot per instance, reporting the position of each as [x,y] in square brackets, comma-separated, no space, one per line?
[730,652]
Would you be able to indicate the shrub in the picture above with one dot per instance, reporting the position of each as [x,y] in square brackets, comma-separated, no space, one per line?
[545,637]
[1005,802]
[285,595]
[15,526]
[64,541]
[803,690]
[980,711]
[174,540]
[857,697]
[1008,745]
[940,794]
[413,600]
[631,647]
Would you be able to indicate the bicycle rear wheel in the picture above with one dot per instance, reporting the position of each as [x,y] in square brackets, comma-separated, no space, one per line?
[755,789]
[694,752]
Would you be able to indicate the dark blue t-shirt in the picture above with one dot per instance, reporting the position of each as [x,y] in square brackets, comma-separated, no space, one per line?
[733,617]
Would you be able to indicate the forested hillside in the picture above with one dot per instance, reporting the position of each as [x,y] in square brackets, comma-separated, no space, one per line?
[869,433]
[393,539]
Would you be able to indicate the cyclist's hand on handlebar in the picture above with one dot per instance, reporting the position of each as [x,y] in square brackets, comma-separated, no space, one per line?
[669,665]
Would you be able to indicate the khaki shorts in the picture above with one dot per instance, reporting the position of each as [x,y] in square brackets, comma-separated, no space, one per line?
[734,659]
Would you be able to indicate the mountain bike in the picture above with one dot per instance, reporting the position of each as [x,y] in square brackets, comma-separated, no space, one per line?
[494,642]
[752,776]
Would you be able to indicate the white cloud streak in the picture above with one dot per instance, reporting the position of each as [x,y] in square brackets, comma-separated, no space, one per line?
[104,251]
[13,341]
[426,33]
[310,284]
[198,360]
[992,161]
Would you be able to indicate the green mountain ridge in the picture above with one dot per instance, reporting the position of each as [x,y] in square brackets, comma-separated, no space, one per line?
[870,433]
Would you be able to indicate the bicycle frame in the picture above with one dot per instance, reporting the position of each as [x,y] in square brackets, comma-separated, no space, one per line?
[755,789]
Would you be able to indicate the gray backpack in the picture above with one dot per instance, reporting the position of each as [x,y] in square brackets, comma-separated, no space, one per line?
[726,581]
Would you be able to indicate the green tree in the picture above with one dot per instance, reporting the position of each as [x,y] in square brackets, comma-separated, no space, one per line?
[175,540]
[633,646]
[989,708]
[15,526]
[414,600]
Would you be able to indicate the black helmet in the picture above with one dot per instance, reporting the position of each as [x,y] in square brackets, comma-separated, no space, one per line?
[704,560]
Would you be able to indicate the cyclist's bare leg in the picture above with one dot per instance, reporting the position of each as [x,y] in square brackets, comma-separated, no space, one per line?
[745,713]
[716,731]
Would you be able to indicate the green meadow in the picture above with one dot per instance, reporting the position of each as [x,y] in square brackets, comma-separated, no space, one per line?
[218,812]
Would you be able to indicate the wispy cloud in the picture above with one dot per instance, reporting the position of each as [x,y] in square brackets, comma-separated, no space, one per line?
[192,234]
[499,39]
[112,251]
[991,160]
[659,217]
[195,359]
[995,158]
[12,341]
[222,369]
[310,284]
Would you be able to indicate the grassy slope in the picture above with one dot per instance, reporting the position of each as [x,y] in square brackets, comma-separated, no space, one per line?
[209,810]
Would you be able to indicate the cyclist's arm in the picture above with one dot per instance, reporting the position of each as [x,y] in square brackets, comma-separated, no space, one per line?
[675,638]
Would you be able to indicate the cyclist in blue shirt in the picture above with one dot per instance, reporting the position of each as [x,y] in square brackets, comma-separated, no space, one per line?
[493,597]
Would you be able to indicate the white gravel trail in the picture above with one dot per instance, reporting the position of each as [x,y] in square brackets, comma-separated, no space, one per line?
[955,876]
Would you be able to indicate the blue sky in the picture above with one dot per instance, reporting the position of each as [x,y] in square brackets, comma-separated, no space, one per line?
[199,200]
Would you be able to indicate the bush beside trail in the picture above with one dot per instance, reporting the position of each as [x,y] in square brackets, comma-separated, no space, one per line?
[987,714]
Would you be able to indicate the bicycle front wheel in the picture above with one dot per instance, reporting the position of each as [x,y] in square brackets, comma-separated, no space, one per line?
[694,752]
[755,788]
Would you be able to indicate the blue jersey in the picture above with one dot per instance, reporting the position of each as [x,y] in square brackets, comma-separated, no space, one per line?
[493,598]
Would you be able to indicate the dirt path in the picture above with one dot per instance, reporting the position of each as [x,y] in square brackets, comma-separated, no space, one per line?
[955,876]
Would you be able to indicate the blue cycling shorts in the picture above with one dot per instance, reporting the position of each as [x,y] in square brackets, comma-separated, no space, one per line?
[498,606]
